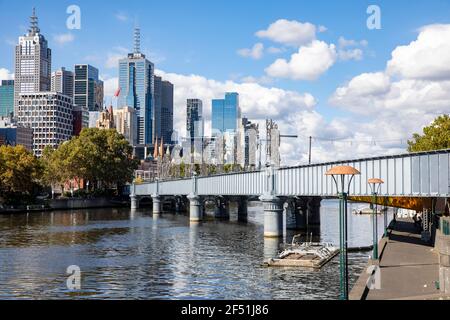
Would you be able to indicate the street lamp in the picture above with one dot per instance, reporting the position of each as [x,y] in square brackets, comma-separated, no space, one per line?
[338,174]
[375,185]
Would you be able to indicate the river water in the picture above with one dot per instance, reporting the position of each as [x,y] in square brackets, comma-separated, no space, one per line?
[124,254]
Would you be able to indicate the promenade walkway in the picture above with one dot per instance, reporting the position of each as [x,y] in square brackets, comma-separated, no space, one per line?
[409,267]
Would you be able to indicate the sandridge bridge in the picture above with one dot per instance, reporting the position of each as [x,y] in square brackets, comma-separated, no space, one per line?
[412,180]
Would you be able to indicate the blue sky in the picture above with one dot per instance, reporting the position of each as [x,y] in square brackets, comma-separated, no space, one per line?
[202,37]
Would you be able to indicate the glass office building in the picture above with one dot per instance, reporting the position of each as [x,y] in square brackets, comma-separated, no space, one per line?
[6,98]
[226,114]
[136,75]
[88,89]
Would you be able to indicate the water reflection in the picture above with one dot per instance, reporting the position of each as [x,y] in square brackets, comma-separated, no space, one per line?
[133,254]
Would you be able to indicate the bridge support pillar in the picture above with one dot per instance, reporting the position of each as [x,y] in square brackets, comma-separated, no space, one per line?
[222,209]
[195,208]
[296,215]
[242,209]
[313,211]
[134,202]
[157,205]
[273,216]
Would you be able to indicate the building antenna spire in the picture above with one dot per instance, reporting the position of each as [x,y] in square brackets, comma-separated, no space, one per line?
[137,40]
[34,23]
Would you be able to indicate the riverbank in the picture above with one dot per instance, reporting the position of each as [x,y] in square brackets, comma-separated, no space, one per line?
[69,204]
[408,267]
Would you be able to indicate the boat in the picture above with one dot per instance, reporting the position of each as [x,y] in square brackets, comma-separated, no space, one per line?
[304,254]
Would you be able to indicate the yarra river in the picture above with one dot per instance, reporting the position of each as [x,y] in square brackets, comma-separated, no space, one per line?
[132,255]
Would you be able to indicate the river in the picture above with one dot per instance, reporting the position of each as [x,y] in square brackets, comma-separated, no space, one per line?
[124,254]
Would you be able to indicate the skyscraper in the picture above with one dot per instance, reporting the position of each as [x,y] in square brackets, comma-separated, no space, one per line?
[136,75]
[166,120]
[33,62]
[6,98]
[194,118]
[125,121]
[62,81]
[88,89]
[226,114]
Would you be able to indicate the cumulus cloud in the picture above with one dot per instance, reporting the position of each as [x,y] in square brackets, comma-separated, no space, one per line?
[427,58]
[63,38]
[406,96]
[256,52]
[289,32]
[308,63]
[121,16]
[5,74]
[350,49]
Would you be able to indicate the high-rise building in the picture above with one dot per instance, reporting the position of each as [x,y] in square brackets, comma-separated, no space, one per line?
[194,118]
[49,114]
[80,119]
[106,120]
[226,114]
[167,111]
[6,98]
[33,62]
[62,81]
[251,134]
[126,122]
[136,76]
[88,88]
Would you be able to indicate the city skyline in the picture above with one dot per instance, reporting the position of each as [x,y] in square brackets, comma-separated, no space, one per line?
[323,103]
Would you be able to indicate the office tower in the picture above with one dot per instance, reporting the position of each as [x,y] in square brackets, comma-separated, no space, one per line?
[49,114]
[136,85]
[194,118]
[13,135]
[226,114]
[62,81]
[80,119]
[251,134]
[106,119]
[125,120]
[157,106]
[6,98]
[33,63]
[167,111]
[88,89]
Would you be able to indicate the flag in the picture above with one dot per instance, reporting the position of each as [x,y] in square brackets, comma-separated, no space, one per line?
[116,94]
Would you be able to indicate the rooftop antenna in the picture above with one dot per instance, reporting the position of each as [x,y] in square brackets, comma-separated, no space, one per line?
[137,40]
[34,23]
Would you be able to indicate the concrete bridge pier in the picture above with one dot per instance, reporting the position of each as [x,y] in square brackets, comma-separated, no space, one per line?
[195,208]
[273,216]
[134,202]
[157,204]
[295,210]
[242,214]
[313,211]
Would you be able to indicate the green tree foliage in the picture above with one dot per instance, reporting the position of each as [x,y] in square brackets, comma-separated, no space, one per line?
[19,171]
[96,155]
[435,137]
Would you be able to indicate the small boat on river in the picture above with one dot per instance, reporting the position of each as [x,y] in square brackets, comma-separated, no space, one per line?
[304,254]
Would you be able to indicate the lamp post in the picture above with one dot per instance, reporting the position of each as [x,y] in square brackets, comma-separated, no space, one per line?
[338,174]
[375,185]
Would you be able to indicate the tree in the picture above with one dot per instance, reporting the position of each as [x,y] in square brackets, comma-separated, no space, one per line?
[19,170]
[435,137]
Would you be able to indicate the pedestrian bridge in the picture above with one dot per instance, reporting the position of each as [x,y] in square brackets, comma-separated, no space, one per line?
[411,181]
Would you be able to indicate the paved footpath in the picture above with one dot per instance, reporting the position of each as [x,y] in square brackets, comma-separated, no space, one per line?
[409,267]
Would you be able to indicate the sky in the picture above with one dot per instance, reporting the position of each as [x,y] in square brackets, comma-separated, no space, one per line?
[315,67]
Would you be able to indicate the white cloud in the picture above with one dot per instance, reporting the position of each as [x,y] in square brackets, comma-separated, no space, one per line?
[289,32]
[256,52]
[322,29]
[63,38]
[113,57]
[351,54]
[427,58]
[308,63]
[275,50]
[121,16]
[110,85]
[5,74]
